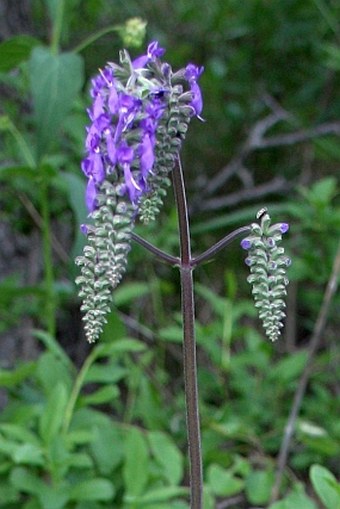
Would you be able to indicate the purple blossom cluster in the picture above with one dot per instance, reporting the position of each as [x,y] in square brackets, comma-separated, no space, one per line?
[125,115]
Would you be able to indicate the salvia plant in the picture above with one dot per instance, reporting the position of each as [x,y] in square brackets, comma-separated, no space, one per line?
[139,116]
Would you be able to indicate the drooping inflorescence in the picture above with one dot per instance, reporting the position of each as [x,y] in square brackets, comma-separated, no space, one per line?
[139,116]
[267,263]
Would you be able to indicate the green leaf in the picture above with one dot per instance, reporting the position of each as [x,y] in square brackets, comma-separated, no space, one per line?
[136,466]
[103,395]
[25,481]
[124,345]
[52,417]
[258,486]
[11,378]
[173,334]
[129,292]
[167,455]
[15,50]
[157,495]
[55,82]
[108,373]
[289,368]
[93,489]
[105,456]
[326,486]
[28,454]
[297,499]
[222,482]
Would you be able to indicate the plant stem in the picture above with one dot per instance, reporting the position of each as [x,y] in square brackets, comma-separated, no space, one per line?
[189,341]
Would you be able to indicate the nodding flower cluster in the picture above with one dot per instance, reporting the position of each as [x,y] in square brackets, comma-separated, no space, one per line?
[130,104]
[139,116]
[268,265]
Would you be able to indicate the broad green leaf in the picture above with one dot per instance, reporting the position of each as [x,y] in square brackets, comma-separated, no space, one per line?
[15,50]
[167,455]
[55,81]
[8,494]
[173,334]
[10,378]
[258,486]
[106,447]
[54,496]
[50,368]
[11,172]
[124,345]
[157,495]
[93,489]
[53,346]
[289,368]
[297,499]
[326,486]
[103,395]
[222,482]
[129,292]
[105,373]
[136,466]
[53,413]
[26,481]
[28,454]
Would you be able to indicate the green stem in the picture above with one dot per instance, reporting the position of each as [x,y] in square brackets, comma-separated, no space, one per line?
[77,388]
[50,305]
[57,26]
[189,342]
[94,37]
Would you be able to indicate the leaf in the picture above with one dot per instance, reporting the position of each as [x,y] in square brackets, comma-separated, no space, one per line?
[28,454]
[93,489]
[157,495]
[15,50]
[173,334]
[289,368]
[136,466]
[297,499]
[326,486]
[13,377]
[55,81]
[258,486]
[106,457]
[103,395]
[129,292]
[121,346]
[222,482]
[53,413]
[108,373]
[25,481]
[167,455]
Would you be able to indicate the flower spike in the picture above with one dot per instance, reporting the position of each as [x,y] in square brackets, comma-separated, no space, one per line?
[267,263]
[139,117]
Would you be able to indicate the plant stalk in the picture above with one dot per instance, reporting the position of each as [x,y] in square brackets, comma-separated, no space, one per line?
[189,341]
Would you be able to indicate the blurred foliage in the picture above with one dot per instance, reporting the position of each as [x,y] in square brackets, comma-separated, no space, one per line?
[105,427]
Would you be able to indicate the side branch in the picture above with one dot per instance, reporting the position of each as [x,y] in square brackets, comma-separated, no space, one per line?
[213,250]
[162,255]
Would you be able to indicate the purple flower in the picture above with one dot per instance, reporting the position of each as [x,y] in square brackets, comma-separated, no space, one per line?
[283,227]
[246,244]
[147,157]
[153,52]
[91,194]
[192,73]
[125,156]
